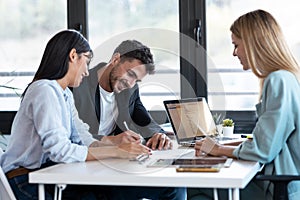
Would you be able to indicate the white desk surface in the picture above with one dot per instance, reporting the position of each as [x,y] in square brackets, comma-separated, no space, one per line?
[131,173]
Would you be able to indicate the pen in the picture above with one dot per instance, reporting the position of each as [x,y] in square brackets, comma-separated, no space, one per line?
[140,158]
[127,128]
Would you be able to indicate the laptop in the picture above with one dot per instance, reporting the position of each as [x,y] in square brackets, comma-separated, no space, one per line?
[191,120]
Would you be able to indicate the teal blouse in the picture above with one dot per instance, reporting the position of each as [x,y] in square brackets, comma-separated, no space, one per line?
[276,136]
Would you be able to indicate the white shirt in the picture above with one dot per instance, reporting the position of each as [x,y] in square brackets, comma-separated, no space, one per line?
[108,113]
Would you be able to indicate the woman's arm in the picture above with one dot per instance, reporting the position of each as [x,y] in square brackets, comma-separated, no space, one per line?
[207,146]
[97,151]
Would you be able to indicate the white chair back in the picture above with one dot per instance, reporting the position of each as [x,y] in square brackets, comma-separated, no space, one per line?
[6,192]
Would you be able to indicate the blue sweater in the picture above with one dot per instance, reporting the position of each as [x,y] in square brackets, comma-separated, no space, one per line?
[276,136]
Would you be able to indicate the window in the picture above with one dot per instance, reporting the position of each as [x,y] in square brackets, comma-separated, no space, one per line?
[229,87]
[22,43]
[154,23]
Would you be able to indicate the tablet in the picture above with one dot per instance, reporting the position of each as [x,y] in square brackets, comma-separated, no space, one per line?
[203,162]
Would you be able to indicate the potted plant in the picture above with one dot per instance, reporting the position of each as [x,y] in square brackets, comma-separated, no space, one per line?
[228,126]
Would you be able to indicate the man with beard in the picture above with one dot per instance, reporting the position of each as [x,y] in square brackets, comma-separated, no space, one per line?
[108,100]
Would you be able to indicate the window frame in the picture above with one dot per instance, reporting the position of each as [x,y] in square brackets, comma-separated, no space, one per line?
[194,70]
[77,16]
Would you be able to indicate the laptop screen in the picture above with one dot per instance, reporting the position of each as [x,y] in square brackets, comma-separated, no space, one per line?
[190,118]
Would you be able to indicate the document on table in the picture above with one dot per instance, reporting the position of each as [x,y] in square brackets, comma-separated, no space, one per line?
[184,160]
[174,153]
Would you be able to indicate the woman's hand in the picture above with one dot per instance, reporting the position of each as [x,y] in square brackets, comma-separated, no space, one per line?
[210,147]
[124,150]
[132,150]
[125,137]
[206,146]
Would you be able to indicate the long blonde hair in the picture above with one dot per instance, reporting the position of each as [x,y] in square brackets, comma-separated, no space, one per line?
[265,46]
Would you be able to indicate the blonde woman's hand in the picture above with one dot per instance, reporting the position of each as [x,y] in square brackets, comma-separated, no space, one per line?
[206,146]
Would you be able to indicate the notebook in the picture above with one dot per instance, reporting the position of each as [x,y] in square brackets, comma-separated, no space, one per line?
[191,119]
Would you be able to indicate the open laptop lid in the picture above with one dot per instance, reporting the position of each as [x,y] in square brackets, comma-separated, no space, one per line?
[190,118]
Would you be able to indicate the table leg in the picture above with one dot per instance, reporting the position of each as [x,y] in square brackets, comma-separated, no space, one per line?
[236,194]
[41,192]
[215,194]
[229,194]
[58,191]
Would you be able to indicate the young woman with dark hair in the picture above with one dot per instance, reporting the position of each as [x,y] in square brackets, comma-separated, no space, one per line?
[47,130]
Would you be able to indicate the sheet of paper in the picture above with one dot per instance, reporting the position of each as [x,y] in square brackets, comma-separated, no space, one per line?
[175,153]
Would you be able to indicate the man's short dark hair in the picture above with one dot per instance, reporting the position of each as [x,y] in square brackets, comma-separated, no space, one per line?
[133,49]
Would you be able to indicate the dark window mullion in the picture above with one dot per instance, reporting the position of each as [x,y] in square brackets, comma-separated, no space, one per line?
[77,16]
[192,56]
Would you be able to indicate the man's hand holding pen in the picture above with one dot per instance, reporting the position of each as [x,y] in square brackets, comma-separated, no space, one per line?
[142,140]
[157,141]
[133,151]
[125,137]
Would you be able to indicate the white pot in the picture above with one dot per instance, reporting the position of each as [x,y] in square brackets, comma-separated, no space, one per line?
[228,131]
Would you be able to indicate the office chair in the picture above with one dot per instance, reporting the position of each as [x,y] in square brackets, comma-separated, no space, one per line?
[6,192]
[280,184]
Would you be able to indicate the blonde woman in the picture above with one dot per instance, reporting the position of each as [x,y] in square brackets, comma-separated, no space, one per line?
[260,46]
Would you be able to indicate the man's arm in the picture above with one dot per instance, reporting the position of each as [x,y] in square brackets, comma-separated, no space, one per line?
[142,121]
[141,116]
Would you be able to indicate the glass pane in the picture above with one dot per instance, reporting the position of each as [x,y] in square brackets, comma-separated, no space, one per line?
[155,24]
[22,42]
[237,89]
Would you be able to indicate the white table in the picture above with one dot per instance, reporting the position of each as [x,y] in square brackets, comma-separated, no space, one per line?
[131,173]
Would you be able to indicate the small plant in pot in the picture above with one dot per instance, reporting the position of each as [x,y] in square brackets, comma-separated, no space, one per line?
[228,126]
[228,122]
